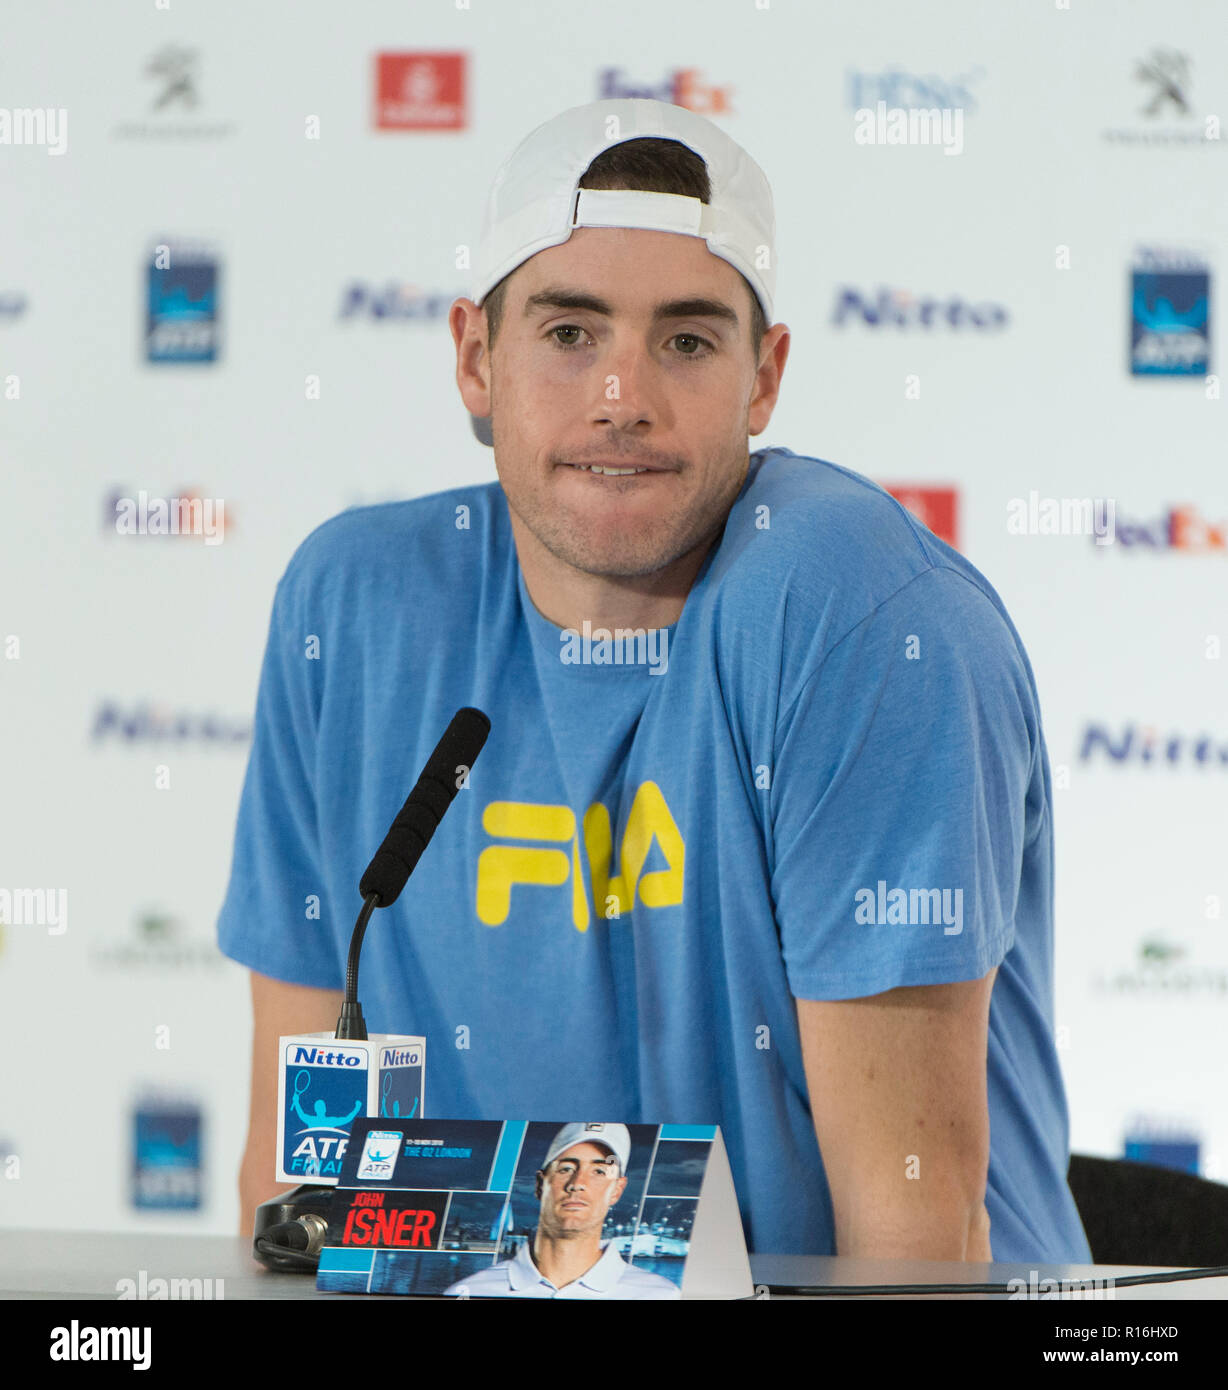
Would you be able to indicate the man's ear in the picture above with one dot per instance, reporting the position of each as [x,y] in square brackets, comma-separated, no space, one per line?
[621,1188]
[470,334]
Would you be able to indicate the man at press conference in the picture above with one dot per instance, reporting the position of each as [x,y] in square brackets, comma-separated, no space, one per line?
[762,832]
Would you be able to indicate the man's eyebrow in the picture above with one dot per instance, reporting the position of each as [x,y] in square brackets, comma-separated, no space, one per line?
[695,307]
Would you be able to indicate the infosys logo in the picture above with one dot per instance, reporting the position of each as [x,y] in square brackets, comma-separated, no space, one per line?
[892,308]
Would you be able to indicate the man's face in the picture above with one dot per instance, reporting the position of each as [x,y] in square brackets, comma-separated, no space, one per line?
[577,1190]
[589,368]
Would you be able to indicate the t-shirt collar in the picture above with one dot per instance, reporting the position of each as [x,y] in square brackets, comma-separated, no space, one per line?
[608,1270]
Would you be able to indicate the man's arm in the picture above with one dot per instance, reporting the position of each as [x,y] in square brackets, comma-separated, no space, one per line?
[898,1094]
[278,1009]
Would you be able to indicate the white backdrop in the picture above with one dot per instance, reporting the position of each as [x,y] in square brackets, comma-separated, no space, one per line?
[128,663]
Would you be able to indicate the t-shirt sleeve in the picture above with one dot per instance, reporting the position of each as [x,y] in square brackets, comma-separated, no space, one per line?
[267,920]
[907,783]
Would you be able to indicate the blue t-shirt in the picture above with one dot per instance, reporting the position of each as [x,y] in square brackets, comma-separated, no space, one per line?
[827,779]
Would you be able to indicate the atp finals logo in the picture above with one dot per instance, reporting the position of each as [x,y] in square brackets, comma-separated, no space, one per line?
[501,867]
[320,1099]
[379,1155]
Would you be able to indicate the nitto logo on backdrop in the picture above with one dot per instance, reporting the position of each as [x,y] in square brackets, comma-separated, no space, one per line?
[934,507]
[152,723]
[888,308]
[182,317]
[1177,528]
[1170,316]
[1159,97]
[420,91]
[394,300]
[682,87]
[1144,745]
[172,74]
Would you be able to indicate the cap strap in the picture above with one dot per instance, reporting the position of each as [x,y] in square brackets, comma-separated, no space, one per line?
[654,212]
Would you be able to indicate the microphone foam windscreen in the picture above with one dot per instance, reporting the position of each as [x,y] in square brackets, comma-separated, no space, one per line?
[419,818]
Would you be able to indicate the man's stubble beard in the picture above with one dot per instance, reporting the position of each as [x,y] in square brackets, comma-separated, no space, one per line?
[640,555]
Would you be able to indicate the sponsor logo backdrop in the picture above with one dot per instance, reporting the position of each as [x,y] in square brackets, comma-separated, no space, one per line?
[1028,329]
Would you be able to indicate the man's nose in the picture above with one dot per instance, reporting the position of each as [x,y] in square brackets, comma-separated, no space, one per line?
[625,391]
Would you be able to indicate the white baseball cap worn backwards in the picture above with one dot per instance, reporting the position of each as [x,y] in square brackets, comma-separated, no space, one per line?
[535,202]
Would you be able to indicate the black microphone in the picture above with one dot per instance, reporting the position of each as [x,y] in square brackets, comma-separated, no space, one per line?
[410,834]
[419,818]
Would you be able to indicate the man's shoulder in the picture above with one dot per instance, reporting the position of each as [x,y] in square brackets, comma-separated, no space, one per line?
[813,517]
[417,539]
[826,547]
[812,551]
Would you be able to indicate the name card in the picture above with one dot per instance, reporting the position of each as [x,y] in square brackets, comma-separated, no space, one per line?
[535,1209]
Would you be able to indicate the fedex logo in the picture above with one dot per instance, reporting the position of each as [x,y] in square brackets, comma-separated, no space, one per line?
[682,87]
[501,867]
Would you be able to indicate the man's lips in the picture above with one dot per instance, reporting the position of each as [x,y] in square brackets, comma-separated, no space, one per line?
[587,465]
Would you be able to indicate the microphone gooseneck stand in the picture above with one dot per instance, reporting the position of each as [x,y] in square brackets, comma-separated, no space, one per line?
[290,1230]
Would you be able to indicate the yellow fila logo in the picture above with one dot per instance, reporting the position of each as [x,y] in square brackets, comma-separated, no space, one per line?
[501,866]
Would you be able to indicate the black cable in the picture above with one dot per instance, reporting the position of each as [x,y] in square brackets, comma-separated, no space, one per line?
[284,1253]
[1097,1281]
